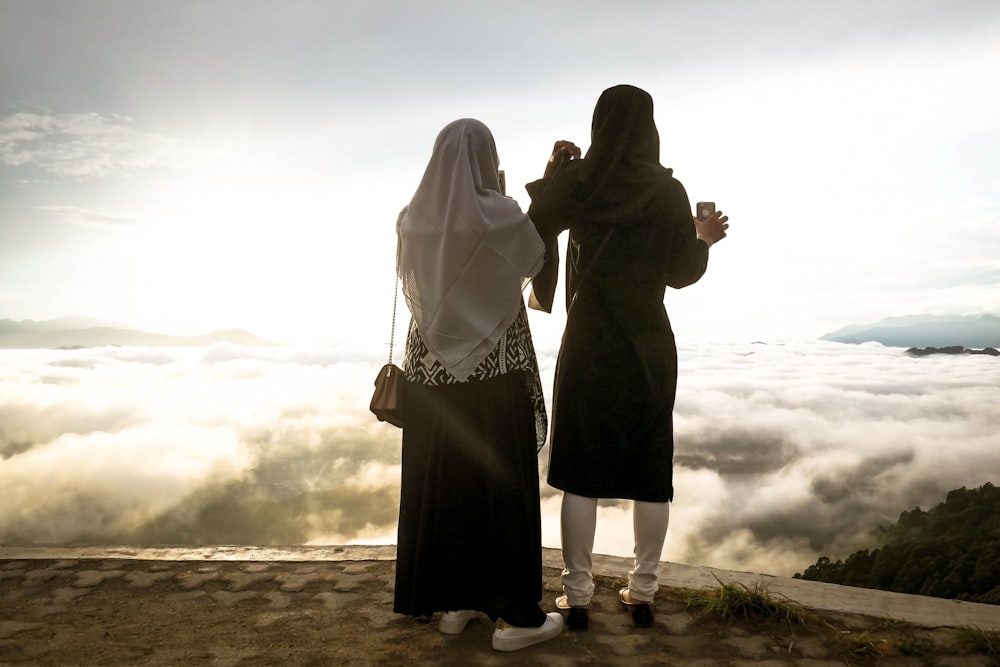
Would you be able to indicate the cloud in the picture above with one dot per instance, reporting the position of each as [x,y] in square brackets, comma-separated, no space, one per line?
[219,444]
[813,446]
[84,146]
[784,453]
[110,483]
[93,219]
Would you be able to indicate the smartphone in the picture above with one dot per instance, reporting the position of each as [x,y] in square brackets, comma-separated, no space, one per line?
[503,182]
[705,209]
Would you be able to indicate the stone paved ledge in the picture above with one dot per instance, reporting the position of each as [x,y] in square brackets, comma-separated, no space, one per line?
[923,611]
[241,606]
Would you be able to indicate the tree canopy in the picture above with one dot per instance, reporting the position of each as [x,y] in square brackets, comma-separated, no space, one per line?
[951,551]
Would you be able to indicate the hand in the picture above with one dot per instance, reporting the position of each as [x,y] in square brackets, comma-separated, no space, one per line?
[712,229]
[563,151]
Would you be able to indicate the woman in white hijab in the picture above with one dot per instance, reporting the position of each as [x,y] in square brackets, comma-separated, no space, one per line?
[469,540]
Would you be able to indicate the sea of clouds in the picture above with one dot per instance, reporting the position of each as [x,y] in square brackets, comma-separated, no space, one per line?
[784,452]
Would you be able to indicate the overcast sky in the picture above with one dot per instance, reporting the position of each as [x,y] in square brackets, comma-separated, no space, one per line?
[191,165]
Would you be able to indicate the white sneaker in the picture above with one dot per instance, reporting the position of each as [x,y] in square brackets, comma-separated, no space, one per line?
[509,638]
[453,622]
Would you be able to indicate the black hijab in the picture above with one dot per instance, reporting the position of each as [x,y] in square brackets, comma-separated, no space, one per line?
[620,176]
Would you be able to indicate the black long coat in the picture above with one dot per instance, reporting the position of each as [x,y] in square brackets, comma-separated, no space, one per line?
[616,375]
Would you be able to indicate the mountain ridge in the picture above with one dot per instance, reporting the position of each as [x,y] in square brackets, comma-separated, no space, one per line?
[82,332]
[924,331]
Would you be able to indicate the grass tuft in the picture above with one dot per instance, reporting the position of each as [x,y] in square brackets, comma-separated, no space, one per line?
[977,640]
[913,646]
[739,602]
[862,646]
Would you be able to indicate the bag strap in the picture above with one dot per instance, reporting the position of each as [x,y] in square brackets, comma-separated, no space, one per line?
[395,300]
[586,272]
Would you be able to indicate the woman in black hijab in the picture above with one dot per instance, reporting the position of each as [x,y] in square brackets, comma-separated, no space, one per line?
[631,235]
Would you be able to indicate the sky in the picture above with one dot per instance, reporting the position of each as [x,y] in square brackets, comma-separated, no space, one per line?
[188,166]
[784,452]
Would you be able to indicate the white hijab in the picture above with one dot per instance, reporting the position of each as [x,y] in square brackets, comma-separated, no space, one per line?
[466,252]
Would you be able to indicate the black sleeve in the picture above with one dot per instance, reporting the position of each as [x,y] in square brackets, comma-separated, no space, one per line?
[689,254]
[548,203]
[543,285]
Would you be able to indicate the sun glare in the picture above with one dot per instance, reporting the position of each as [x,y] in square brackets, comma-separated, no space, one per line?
[239,242]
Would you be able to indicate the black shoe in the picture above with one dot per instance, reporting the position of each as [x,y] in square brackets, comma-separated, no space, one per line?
[642,612]
[642,616]
[577,618]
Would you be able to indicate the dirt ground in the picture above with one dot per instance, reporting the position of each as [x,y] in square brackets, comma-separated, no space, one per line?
[138,612]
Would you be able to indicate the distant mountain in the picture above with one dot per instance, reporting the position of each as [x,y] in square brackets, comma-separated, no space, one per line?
[970,331]
[61,324]
[73,332]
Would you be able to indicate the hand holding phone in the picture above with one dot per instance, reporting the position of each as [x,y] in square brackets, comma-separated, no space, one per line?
[710,226]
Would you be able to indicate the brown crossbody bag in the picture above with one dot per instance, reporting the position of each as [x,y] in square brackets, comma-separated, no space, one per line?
[387,402]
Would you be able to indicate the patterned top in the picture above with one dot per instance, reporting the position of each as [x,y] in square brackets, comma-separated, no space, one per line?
[514,352]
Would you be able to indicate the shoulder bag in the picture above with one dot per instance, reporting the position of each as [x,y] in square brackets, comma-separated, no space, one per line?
[386,402]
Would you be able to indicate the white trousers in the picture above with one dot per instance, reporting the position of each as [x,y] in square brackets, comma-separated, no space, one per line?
[578,519]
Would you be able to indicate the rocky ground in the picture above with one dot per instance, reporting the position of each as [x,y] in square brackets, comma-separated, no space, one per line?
[154,612]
